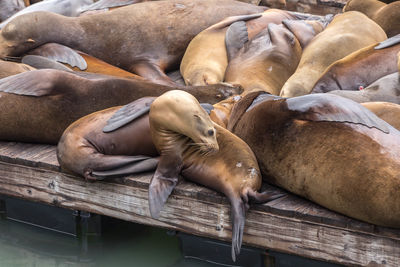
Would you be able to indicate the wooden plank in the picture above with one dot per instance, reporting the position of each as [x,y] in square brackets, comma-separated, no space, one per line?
[183,212]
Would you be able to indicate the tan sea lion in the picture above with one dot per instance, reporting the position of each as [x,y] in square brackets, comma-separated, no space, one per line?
[124,37]
[222,110]
[348,32]
[353,167]
[385,89]
[269,59]
[359,69]
[100,145]
[386,15]
[53,99]
[389,112]
[9,8]
[8,68]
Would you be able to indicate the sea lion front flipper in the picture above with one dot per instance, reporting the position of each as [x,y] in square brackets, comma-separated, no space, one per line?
[334,108]
[230,20]
[388,42]
[105,4]
[163,182]
[235,38]
[238,218]
[151,72]
[128,113]
[60,53]
[40,62]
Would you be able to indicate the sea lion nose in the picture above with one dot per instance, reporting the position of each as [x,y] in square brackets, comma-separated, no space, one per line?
[210,132]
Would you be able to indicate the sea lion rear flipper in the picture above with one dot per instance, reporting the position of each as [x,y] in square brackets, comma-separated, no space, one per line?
[40,62]
[330,107]
[229,20]
[163,182]
[60,53]
[389,42]
[238,218]
[264,197]
[303,31]
[235,38]
[128,113]
[141,164]
[151,72]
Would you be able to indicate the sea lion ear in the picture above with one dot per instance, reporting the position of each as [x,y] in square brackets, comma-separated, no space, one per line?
[334,108]
[303,31]
[40,62]
[389,42]
[128,113]
[235,38]
[60,53]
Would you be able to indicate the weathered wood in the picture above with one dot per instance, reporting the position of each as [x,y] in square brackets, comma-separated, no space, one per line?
[289,224]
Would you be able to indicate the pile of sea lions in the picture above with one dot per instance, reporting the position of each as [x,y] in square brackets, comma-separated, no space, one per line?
[221,92]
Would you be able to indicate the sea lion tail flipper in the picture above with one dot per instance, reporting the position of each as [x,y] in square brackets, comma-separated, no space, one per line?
[388,42]
[238,217]
[263,197]
[162,183]
[40,62]
[60,53]
[235,38]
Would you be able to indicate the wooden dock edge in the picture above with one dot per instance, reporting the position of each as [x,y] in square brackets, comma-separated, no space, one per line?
[184,213]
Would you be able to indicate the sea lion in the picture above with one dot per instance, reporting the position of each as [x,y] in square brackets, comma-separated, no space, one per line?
[8,68]
[124,37]
[269,59]
[348,32]
[222,110]
[78,61]
[359,69]
[389,112]
[10,7]
[386,15]
[53,99]
[352,169]
[386,89]
[100,145]
[63,7]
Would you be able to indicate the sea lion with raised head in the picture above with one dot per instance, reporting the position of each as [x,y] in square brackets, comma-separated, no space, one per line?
[120,141]
[389,112]
[9,8]
[353,169]
[359,69]
[348,32]
[269,59]
[386,89]
[53,99]
[386,15]
[124,37]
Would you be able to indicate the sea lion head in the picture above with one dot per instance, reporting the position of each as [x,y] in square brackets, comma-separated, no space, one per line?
[177,113]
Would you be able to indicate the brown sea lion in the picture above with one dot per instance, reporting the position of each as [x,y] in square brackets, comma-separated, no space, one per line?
[386,15]
[222,110]
[385,89]
[53,99]
[269,59]
[100,145]
[123,37]
[8,68]
[78,61]
[9,8]
[353,168]
[359,69]
[348,32]
[389,112]
[206,56]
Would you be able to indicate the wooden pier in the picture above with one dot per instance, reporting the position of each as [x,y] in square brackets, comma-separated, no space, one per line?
[289,224]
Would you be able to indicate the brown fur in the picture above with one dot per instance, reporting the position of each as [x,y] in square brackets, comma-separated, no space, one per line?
[389,112]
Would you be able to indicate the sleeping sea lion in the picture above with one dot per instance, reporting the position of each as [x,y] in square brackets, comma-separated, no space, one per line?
[53,99]
[359,69]
[389,112]
[386,15]
[206,56]
[100,146]
[348,32]
[64,7]
[9,8]
[353,168]
[386,89]
[8,68]
[269,59]
[124,37]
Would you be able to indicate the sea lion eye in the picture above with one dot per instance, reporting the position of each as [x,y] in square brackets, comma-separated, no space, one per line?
[210,132]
